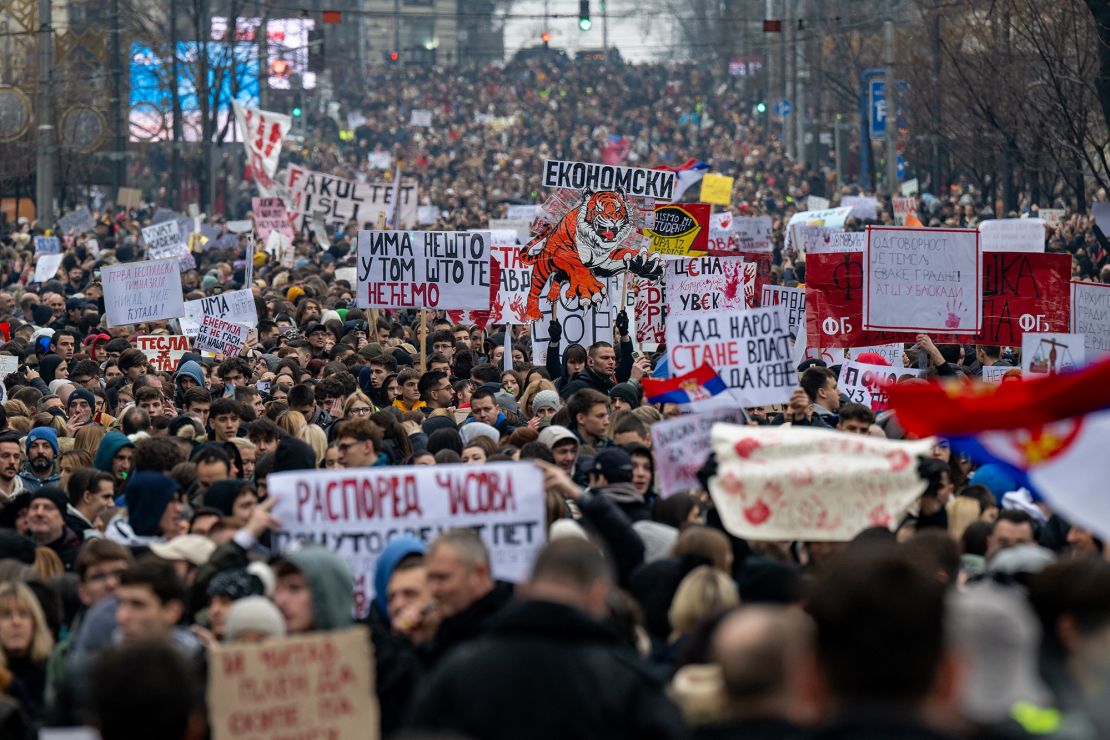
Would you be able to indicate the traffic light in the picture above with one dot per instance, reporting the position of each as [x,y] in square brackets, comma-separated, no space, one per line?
[761,107]
[394,56]
[297,112]
[584,21]
[545,37]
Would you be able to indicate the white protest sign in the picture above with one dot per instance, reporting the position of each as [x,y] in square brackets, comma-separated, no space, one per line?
[522,227]
[427,215]
[341,200]
[648,309]
[910,187]
[831,218]
[313,685]
[815,485]
[1012,235]
[136,292]
[424,269]
[8,365]
[380,160]
[923,280]
[1090,316]
[46,267]
[1051,353]
[239,227]
[262,132]
[161,237]
[863,207]
[751,350]
[47,245]
[236,305]
[512,291]
[753,234]
[902,208]
[995,373]
[709,283]
[1052,216]
[524,213]
[579,325]
[421,118]
[793,298]
[819,240]
[349,274]
[270,215]
[356,512]
[281,248]
[866,384]
[217,335]
[816,203]
[320,230]
[78,220]
[892,353]
[680,447]
[635,181]
[163,352]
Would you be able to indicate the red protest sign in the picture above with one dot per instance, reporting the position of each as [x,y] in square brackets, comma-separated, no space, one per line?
[762,274]
[1024,292]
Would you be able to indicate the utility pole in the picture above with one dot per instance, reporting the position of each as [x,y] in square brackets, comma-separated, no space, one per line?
[397,27]
[115,104]
[605,27]
[800,73]
[839,153]
[44,164]
[891,104]
[175,102]
[789,31]
[264,63]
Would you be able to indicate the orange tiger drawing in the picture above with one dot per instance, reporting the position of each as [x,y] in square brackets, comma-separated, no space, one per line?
[584,246]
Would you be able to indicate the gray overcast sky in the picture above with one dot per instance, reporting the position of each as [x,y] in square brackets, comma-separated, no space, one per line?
[639,40]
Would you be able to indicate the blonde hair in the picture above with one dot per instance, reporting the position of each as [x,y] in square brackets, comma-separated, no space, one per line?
[648,414]
[47,564]
[19,595]
[292,422]
[962,512]
[358,395]
[537,385]
[316,439]
[20,424]
[706,542]
[88,438]
[243,443]
[705,591]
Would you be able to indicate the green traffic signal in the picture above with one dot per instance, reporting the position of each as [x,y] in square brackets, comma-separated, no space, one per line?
[585,24]
[297,111]
[761,107]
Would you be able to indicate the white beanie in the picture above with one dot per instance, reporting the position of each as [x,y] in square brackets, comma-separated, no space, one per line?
[254,614]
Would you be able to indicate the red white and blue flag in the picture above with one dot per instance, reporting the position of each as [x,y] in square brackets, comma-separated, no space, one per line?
[695,387]
[1050,433]
[687,175]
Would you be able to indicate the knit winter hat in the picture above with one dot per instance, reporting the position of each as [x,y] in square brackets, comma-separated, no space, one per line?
[546,400]
[254,614]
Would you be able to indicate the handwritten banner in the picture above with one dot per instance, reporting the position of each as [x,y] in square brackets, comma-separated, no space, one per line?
[235,305]
[357,512]
[137,292]
[832,218]
[643,183]
[341,200]
[681,446]
[1012,235]
[424,269]
[681,229]
[579,325]
[709,283]
[217,335]
[649,310]
[164,352]
[819,240]
[270,215]
[751,350]
[1023,292]
[510,303]
[1090,316]
[866,384]
[793,298]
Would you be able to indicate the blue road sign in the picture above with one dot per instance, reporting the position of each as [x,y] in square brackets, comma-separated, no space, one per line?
[783,107]
[877,107]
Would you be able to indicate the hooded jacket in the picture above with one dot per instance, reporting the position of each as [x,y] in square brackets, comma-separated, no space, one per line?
[557,365]
[221,495]
[191,369]
[109,447]
[147,496]
[331,584]
[397,550]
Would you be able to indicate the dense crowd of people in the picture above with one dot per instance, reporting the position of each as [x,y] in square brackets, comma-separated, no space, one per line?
[136,526]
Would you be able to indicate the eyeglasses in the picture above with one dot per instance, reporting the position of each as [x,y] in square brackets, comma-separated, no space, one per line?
[359,410]
[98,577]
[344,446]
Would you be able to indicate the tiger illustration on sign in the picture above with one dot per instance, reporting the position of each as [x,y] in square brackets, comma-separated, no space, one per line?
[586,245]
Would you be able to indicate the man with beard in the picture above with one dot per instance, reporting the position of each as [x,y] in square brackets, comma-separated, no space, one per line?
[42,450]
[46,524]
[11,457]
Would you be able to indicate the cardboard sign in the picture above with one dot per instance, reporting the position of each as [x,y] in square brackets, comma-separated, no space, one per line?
[217,335]
[47,266]
[816,203]
[579,325]
[270,215]
[902,208]
[1051,354]
[793,298]
[751,350]
[816,485]
[424,269]
[866,384]
[357,512]
[753,234]
[1012,235]
[681,229]
[235,305]
[512,292]
[380,160]
[716,189]
[634,181]
[316,685]
[341,200]
[162,237]
[164,353]
[996,373]
[681,446]
[649,312]
[421,118]
[76,221]
[1023,292]
[1052,217]
[137,292]
[129,198]
[910,187]
[864,207]
[47,245]
[924,280]
[709,284]
[1090,316]
[832,218]
[819,240]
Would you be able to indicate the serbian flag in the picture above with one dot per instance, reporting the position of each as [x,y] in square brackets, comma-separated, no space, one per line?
[695,387]
[688,174]
[1049,433]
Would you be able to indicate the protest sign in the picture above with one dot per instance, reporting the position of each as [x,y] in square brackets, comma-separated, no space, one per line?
[76,221]
[579,325]
[1023,292]
[236,305]
[681,446]
[910,187]
[903,207]
[357,512]
[524,213]
[380,160]
[793,298]
[163,237]
[716,189]
[315,685]
[424,269]
[216,335]
[1051,353]
[649,313]
[1012,235]
[270,215]
[922,280]
[815,485]
[816,203]
[164,352]
[508,305]
[1052,216]
[1101,212]
[47,245]
[421,118]
[263,133]
[46,267]
[722,240]
[136,292]
[995,373]
[750,349]
[681,229]
[426,215]
[753,233]
[347,274]
[634,181]
[866,384]
[709,284]
[1090,316]
[831,218]
[522,227]
[820,240]
[892,352]
[864,207]
[281,248]
[341,200]
[129,198]
[319,230]
[8,365]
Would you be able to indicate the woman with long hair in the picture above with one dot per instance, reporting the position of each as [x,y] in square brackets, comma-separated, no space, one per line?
[25,643]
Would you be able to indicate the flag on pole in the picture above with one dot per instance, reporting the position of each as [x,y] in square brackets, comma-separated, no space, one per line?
[688,174]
